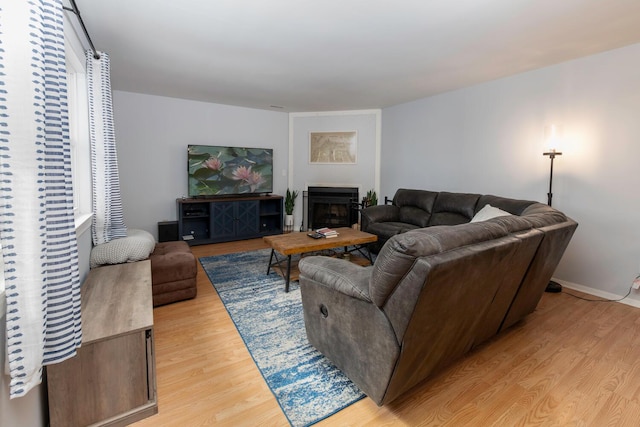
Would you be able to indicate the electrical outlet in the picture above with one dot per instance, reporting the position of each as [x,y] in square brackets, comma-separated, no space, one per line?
[636,283]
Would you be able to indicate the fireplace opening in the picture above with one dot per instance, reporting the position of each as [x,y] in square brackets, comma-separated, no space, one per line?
[331,207]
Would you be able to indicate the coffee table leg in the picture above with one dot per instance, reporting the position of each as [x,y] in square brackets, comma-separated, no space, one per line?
[368,253]
[270,262]
[360,248]
[286,286]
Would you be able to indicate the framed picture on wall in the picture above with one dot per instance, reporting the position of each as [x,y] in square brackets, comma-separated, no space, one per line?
[333,147]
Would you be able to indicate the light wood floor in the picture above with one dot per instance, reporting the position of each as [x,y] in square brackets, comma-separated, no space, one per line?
[570,363]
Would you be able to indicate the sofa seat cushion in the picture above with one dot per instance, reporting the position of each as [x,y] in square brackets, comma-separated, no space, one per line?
[384,230]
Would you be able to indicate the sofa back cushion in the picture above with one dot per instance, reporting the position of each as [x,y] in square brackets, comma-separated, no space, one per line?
[455,307]
[540,215]
[513,206]
[415,206]
[414,216]
[453,208]
[399,254]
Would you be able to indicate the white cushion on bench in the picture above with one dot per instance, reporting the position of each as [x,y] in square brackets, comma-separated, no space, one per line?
[135,247]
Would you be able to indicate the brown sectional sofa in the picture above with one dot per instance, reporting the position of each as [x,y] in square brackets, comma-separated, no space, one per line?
[440,285]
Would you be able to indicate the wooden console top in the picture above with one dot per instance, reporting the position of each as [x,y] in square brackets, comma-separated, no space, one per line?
[116,300]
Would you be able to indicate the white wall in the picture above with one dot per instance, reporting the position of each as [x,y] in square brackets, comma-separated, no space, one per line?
[489,139]
[152,134]
[363,174]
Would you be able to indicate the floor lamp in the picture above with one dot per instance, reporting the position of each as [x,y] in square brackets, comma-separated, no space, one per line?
[552,286]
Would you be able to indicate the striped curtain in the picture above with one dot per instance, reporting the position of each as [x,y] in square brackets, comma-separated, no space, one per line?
[36,205]
[108,219]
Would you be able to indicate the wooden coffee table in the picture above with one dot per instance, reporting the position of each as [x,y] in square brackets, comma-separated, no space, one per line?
[299,243]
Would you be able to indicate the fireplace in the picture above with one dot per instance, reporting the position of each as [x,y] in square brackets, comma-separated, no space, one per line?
[331,207]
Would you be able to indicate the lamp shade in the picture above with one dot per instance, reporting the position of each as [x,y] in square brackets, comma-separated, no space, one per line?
[553,137]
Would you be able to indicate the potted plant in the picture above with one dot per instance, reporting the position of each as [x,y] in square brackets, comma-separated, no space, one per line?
[371,199]
[289,204]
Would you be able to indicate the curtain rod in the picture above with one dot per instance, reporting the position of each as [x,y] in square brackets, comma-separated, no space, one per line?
[74,9]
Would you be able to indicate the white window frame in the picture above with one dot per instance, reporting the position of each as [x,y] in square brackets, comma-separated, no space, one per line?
[78,104]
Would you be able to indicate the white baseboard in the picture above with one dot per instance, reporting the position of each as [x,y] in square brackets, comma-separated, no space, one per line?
[602,294]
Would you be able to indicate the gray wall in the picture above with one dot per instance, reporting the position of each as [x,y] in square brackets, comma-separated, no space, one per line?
[152,134]
[489,139]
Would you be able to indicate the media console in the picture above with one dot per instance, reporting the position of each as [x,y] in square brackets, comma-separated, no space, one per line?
[202,221]
[112,379]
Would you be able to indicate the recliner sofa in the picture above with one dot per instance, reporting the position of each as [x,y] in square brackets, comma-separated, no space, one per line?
[413,209]
[435,291]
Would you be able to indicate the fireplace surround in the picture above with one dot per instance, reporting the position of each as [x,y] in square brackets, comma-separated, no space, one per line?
[330,207]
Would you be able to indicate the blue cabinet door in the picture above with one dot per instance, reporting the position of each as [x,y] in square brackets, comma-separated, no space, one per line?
[247,218]
[223,220]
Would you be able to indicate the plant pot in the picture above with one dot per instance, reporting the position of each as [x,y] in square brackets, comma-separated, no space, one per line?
[288,223]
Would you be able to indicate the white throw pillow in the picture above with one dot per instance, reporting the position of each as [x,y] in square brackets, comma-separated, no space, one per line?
[488,212]
[135,247]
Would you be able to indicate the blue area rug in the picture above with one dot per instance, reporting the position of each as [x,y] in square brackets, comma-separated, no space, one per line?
[306,384]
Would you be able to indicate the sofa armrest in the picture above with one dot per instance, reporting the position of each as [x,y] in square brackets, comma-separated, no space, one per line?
[379,213]
[338,274]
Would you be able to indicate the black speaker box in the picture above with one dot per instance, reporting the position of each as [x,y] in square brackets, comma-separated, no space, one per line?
[168,231]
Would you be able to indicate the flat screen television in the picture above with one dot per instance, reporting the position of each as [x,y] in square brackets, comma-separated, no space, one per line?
[226,171]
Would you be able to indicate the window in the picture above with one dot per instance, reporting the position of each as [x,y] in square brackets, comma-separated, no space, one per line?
[78,129]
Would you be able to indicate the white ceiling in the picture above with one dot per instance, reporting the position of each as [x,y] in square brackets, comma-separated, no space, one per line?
[328,55]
